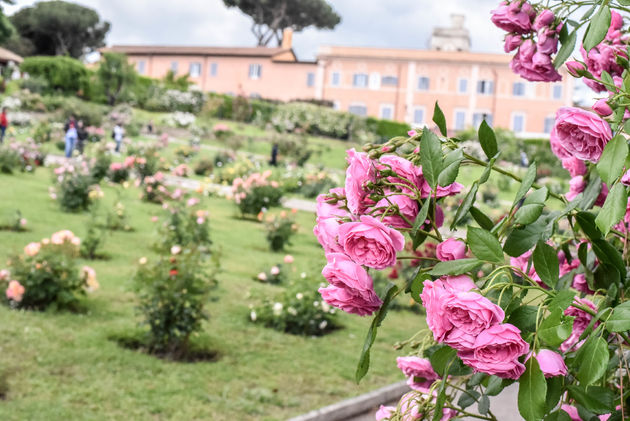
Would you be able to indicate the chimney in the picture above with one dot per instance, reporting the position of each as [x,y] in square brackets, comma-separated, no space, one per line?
[287,39]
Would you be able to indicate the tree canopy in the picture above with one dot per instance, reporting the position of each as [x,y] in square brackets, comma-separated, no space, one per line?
[115,73]
[271,17]
[58,28]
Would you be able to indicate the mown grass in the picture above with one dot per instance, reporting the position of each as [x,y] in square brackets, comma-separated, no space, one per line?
[65,366]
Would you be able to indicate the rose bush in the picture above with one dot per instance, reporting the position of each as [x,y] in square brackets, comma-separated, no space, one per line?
[536,296]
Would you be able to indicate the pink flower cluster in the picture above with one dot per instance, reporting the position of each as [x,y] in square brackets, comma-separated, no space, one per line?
[357,231]
[409,408]
[472,324]
[241,187]
[534,36]
[579,134]
[181,170]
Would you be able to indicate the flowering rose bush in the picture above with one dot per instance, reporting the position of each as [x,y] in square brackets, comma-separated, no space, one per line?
[153,189]
[280,228]
[46,274]
[75,186]
[186,225]
[118,172]
[255,193]
[15,223]
[536,296]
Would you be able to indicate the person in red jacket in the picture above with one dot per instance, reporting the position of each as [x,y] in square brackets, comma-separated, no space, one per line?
[4,123]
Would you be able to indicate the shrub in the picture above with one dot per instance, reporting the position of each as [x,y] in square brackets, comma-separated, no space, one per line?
[117,218]
[9,160]
[153,189]
[387,129]
[42,132]
[63,74]
[91,114]
[100,164]
[255,193]
[48,274]
[118,172]
[241,109]
[313,184]
[171,294]
[280,228]
[174,100]
[298,311]
[35,84]
[186,226]
[276,274]
[144,159]
[204,166]
[75,185]
[15,223]
[94,239]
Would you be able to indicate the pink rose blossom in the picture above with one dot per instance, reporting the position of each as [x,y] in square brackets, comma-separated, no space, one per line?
[450,190]
[514,17]
[470,314]
[288,259]
[551,363]
[327,232]
[450,249]
[32,249]
[408,173]
[384,413]
[574,68]
[433,297]
[544,18]
[411,133]
[625,179]
[602,108]
[523,263]
[534,65]
[354,301]
[360,171]
[460,283]
[512,42]
[370,242]
[581,321]
[4,274]
[15,291]
[496,351]
[580,134]
[275,270]
[577,185]
[572,411]
[342,272]
[404,206]
[574,166]
[419,372]
[329,210]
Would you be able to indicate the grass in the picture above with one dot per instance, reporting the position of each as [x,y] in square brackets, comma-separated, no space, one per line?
[64,365]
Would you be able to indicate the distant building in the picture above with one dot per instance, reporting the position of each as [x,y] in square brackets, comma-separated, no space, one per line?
[396,84]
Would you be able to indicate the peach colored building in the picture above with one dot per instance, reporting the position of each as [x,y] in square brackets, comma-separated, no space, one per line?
[387,83]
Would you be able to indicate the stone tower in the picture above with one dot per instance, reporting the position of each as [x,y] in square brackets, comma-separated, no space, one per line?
[453,38]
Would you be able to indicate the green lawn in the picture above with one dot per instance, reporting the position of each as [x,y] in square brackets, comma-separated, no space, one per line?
[63,366]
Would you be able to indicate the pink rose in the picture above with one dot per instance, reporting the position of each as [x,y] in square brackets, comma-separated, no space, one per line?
[370,242]
[574,166]
[330,210]
[551,363]
[602,58]
[354,301]
[327,231]
[580,322]
[450,190]
[496,352]
[580,134]
[547,42]
[403,206]
[534,65]
[572,411]
[574,68]
[384,413]
[522,262]
[450,249]
[460,283]
[419,372]
[433,297]
[344,273]
[408,173]
[544,18]
[360,171]
[512,42]
[470,314]
[15,291]
[625,179]
[581,284]
[514,17]
[32,249]
[602,108]
[577,185]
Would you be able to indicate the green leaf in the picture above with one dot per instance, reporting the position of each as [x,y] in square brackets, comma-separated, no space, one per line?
[467,398]
[417,285]
[591,192]
[614,208]
[566,50]
[455,267]
[526,184]
[421,217]
[546,264]
[485,175]
[466,204]
[524,318]
[613,159]
[450,172]
[537,197]
[488,140]
[481,218]
[431,157]
[591,360]
[532,392]
[620,319]
[587,223]
[554,330]
[554,391]
[484,245]
[527,214]
[364,360]
[607,253]
[597,29]
[523,239]
[495,386]
[562,300]
[439,120]
[484,405]
[596,399]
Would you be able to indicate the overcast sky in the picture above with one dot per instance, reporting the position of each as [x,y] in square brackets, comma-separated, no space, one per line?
[383,23]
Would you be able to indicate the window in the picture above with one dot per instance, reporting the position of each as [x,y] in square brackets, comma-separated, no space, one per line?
[255,71]
[194,70]
[360,80]
[214,69]
[358,109]
[423,83]
[335,79]
[485,87]
[141,67]
[387,111]
[310,79]
[460,120]
[557,91]
[418,116]
[462,86]
[479,117]
[518,89]
[174,66]
[549,123]
[389,81]
[518,123]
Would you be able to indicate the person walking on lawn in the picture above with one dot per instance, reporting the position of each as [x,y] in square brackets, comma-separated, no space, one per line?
[4,123]
[71,136]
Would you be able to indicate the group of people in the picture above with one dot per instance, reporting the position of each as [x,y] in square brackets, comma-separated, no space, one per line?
[76,135]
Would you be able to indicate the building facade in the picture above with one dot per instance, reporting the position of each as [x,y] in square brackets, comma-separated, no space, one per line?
[388,83]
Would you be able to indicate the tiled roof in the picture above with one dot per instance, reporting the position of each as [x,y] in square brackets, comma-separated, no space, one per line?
[180,50]
[6,55]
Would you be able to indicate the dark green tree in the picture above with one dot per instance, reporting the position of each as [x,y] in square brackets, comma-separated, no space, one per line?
[6,28]
[115,74]
[271,17]
[60,28]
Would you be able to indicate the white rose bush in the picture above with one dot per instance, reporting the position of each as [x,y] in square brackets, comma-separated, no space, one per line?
[537,297]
